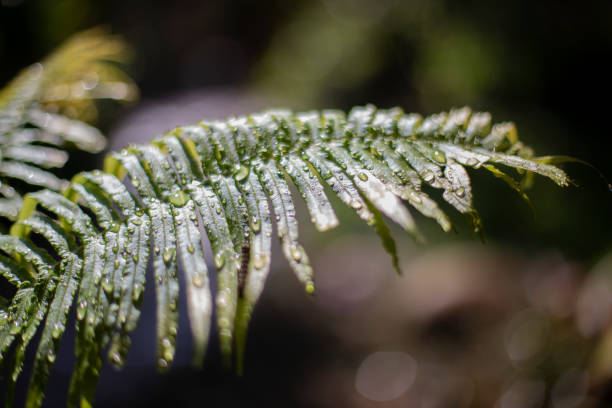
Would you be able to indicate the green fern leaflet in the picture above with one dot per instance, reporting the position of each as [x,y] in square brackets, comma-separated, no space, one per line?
[227,182]
[88,242]
[44,110]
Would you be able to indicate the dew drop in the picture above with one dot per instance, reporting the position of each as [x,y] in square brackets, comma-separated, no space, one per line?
[107,285]
[51,356]
[166,342]
[219,260]
[156,250]
[137,293]
[415,197]
[116,359]
[460,192]
[259,261]
[197,281]
[310,288]
[296,253]
[168,255]
[363,176]
[178,198]
[81,309]
[255,224]
[58,329]
[240,173]
[471,161]
[428,176]
[356,205]
[438,156]
[162,364]
[169,353]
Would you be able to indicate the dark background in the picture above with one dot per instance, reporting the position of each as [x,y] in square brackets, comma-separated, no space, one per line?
[544,65]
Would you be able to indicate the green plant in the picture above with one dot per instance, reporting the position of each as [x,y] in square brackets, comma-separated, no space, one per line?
[39,107]
[88,241]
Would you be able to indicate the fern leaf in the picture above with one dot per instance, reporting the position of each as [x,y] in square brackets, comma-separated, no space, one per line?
[192,254]
[341,185]
[42,112]
[228,177]
[258,267]
[321,211]
[276,186]
[55,325]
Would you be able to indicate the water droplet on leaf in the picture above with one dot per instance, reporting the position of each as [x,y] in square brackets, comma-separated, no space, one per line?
[58,329]
[168,255]
[240,173]
[178,198]
[356,205]
[81,309]
[415,197]
[197,281]
[438,156]
[255,224]
[259,261]
[51,356]
[296,253]
[428,176]
[219,260]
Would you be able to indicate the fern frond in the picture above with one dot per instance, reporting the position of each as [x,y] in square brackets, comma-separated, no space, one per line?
[42,112]
[231,178]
